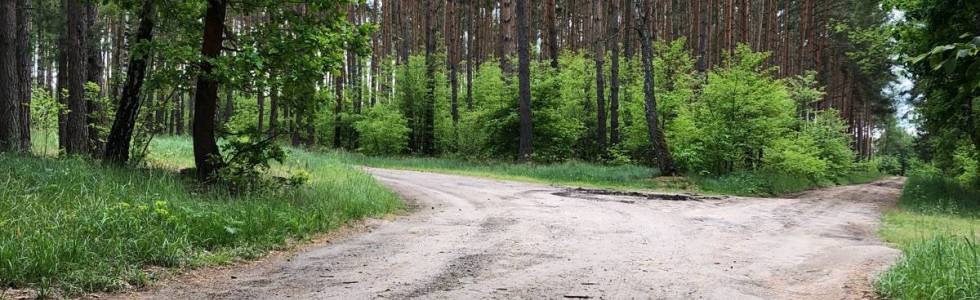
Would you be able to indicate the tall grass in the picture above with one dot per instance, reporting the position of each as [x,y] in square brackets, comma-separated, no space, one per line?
[568,173]
[944,267]
[79,226]
[938,229]
[940,196]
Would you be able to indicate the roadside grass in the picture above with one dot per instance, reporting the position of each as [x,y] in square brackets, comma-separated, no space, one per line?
[937,226]
[577,173]
[763,183]
[573,173]
[72,225]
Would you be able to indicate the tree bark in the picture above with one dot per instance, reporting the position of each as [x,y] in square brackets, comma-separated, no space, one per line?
[338,88]
[599,53]
[76,126]
[664,159]
[24,65]
[93,74]
[525,149]
[206,154]
[9,80]
[428,110]
[506,35]
[260,102]
[550,41]
[117,144]
[469,54]
[273,111]
[613,28]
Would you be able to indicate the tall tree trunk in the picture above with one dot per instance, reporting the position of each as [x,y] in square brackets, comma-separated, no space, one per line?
[506,35]
[452,54]
[9,80]
[229,108]
[25,61]
[206,154]
[179,114]
[260,102]
[76,126]
[550,41]
[613,21]
[469,54]
[664,159]
[599,52]
[61,87]
[338,88]
[428,109]
[525,149]
[274,110]
[93,74]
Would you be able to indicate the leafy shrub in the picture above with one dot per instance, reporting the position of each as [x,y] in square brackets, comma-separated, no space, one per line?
[383,131]
[741,111]
[246,165]
[796,157]
[889,164]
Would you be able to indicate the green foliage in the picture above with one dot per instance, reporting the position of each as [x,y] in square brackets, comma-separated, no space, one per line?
[938,41]
[78,226]
[935,194]
[383,131]
[44,118]
[742,110]
[248,156]
[492,126]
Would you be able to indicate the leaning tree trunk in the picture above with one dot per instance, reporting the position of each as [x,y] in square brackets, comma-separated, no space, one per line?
[117,145]
[525,149]
[664,159]
[76,126]
[207,157]
[9,125]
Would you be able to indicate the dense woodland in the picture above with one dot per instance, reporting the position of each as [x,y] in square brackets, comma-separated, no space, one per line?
[696,87]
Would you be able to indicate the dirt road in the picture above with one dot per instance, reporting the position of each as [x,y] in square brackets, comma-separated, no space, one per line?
[478,238]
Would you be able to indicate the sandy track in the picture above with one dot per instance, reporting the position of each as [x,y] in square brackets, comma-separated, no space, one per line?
[479,238]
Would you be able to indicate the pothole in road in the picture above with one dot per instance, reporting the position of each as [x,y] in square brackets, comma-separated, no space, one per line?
[629,197]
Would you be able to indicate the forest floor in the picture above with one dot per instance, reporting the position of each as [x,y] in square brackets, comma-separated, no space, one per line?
[470,238]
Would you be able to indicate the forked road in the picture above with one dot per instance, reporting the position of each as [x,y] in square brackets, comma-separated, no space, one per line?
[475,238]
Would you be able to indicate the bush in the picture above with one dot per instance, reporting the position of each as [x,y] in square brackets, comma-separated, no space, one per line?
[383,131]
[796,157]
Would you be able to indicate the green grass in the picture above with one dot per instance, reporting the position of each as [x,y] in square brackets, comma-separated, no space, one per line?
[577,173]
[761,183]
[568,173]
[937,226]
[76,226]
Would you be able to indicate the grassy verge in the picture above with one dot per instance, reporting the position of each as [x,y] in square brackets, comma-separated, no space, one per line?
[937,226]
[761,183]
[568,173]
[607,176]
[74,225]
